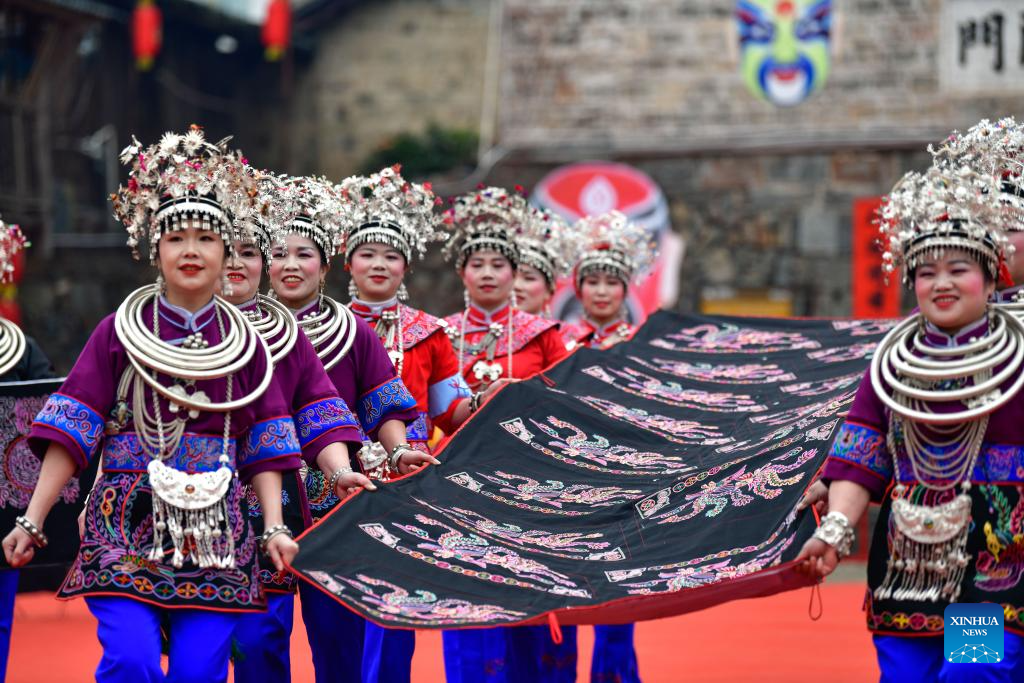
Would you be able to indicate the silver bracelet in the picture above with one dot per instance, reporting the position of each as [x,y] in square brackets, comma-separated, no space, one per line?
[272,531]
[396,454]
[835,530]
[39,539]
[338,474]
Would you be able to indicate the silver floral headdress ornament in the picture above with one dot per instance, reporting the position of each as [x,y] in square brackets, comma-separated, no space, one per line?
[485,220]
[611,243]
[546,243]
[12,241]
[944,208]
[384,208]
[179,180]
[993,148]
[310,206]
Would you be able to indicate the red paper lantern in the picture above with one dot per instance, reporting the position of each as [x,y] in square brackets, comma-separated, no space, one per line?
[277,29]
[147,34]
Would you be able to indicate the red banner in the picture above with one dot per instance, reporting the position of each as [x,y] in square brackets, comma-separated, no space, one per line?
[872,297]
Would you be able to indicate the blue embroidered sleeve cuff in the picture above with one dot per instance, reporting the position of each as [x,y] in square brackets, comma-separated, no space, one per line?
[441,395]
[419,430]
[864,447]
[377,404]
[268,440]
[321,417]
[81,426]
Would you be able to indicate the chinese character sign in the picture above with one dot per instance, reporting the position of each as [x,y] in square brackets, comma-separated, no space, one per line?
[982,46]
[784,47]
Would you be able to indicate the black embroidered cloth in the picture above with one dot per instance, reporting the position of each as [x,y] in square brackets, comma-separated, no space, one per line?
[20,402]
[656,478]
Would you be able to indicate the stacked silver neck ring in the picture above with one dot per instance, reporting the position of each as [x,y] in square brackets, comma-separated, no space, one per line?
[12,345]
[148,353]
[276,325]
[902,378]
[333,325]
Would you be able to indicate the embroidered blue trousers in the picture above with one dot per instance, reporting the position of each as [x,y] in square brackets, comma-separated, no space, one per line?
[912,660]
[8,589]
[129,631]
[263,642]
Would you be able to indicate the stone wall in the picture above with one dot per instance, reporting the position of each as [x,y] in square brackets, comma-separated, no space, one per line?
[762,195]
[660,75]
[389,67]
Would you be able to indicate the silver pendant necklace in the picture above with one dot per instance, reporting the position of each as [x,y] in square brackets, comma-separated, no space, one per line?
[927,541]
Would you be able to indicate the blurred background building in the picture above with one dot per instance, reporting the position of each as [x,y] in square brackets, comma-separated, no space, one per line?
[770,128]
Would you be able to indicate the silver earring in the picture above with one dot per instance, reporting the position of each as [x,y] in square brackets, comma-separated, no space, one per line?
[353,291]
[161,284]
[465,297]
[403,293]
[225,285]
[512,299]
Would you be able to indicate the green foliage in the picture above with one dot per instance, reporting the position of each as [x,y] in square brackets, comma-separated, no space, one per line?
[422,155]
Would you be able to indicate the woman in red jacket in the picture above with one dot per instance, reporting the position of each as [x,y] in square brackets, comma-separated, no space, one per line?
[495,342]
[611,251]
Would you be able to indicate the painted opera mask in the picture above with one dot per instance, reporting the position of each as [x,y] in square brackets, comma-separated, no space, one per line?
[784,47]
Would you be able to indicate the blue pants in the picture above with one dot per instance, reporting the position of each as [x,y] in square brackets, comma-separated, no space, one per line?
[387,654]
[8,589]
[129,631]
[909,660]
[534,656]
[477,655]
[263,642]
[348,649]
[614,655]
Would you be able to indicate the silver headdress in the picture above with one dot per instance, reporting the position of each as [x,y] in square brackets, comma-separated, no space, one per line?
[310,206]
[944,208]
[384,208]
[269,213]
[546,242]
[12,241]
[995,149]
[183,178]
[611,243]
[484,220]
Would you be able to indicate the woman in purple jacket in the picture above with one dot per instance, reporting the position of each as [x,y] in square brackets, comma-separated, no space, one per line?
[174,394]
[326,429]
[934,435]
[306,237]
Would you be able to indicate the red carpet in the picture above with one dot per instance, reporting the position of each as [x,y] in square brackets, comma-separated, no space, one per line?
[764,641]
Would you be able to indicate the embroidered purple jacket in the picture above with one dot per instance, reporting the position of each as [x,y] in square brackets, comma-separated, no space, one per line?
[321,418]
[365,379]
[112,559]
[996,533]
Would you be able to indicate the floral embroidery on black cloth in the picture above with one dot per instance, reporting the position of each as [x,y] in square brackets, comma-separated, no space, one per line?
[624,484]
